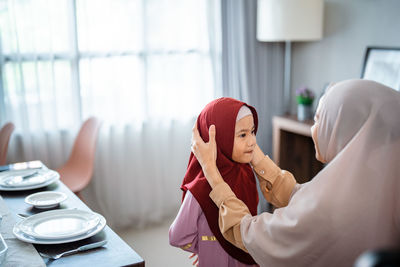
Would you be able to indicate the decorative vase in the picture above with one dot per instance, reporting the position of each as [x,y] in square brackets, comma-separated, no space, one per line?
[304,112]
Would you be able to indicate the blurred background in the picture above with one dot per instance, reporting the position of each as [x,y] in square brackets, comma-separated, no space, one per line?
[146,68]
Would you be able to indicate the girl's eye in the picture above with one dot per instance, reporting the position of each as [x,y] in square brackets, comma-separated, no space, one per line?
[253,132]
[243,135]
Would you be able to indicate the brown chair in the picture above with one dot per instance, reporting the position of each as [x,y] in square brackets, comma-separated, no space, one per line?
[77,172]
[5,134]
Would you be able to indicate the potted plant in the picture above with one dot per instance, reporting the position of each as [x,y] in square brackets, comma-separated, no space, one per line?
[305,98]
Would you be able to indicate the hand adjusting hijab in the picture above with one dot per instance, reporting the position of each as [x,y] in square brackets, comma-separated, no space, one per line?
[353,204]
[222,113]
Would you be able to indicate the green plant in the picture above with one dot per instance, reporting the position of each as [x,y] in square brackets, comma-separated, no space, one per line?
[304,96]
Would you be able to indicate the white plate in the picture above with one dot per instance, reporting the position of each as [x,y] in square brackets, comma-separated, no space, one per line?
[27,238]
[15,178]
[59,224]
[46,177]
[46,199]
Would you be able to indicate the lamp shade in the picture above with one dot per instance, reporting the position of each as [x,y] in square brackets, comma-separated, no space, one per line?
[289,20]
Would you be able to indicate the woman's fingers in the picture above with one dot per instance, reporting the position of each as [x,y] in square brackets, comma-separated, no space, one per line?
[212,142]
[211,133]
[206,153]
[194,129]
[196,138]
[196,135]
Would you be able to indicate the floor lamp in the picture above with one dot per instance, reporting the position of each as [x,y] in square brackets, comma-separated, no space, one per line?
[288,21]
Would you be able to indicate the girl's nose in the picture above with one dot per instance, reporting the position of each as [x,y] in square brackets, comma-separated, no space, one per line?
[252,141]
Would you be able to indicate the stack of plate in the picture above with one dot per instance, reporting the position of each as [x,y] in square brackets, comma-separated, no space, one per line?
[17,180]
[59,226]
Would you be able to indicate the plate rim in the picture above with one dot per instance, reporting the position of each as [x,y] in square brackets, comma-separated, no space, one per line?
[48,215]
[26,238]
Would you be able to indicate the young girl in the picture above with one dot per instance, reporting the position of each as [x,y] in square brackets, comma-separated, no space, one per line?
[195,228]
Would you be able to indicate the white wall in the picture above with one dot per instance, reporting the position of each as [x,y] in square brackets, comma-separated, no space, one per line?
[349,27]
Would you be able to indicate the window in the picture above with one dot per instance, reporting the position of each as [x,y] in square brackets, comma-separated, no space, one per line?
[121,60]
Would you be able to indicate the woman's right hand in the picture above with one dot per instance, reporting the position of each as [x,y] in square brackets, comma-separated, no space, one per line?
[206,153]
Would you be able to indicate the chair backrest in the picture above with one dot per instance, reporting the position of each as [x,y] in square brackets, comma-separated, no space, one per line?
[77,171]
[5,134]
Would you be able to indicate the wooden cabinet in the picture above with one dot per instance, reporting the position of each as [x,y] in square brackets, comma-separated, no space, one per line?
[293,147]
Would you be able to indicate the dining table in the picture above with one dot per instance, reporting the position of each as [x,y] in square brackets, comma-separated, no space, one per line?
[116,252]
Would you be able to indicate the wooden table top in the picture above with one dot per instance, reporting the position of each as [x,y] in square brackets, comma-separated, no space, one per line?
[115,253]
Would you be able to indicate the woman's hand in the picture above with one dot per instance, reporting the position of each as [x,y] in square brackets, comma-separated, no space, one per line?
[206,153]
[196,261]
[258,156]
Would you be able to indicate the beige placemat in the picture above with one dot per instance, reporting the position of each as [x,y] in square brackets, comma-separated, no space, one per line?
[19,253]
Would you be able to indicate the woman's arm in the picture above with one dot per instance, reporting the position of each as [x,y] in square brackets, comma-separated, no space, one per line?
[276,185]
[231,212]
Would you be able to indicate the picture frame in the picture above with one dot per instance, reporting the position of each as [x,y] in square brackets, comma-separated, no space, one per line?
[382,64]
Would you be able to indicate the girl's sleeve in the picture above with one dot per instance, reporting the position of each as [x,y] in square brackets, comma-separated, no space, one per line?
[276,185]
[183,232]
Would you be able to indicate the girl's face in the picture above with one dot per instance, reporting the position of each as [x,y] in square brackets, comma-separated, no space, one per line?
[245,140]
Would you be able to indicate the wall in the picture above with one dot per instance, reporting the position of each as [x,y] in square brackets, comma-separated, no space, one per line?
[349,27]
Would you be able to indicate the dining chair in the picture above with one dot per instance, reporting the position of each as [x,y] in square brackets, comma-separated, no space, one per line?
[5,134]
[77,172]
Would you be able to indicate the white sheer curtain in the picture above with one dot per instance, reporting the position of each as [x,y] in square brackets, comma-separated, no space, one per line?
[144,67]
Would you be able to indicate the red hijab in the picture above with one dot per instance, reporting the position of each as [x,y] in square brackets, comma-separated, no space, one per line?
[222,113]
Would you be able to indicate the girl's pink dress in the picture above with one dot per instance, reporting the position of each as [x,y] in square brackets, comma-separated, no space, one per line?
[190,231]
